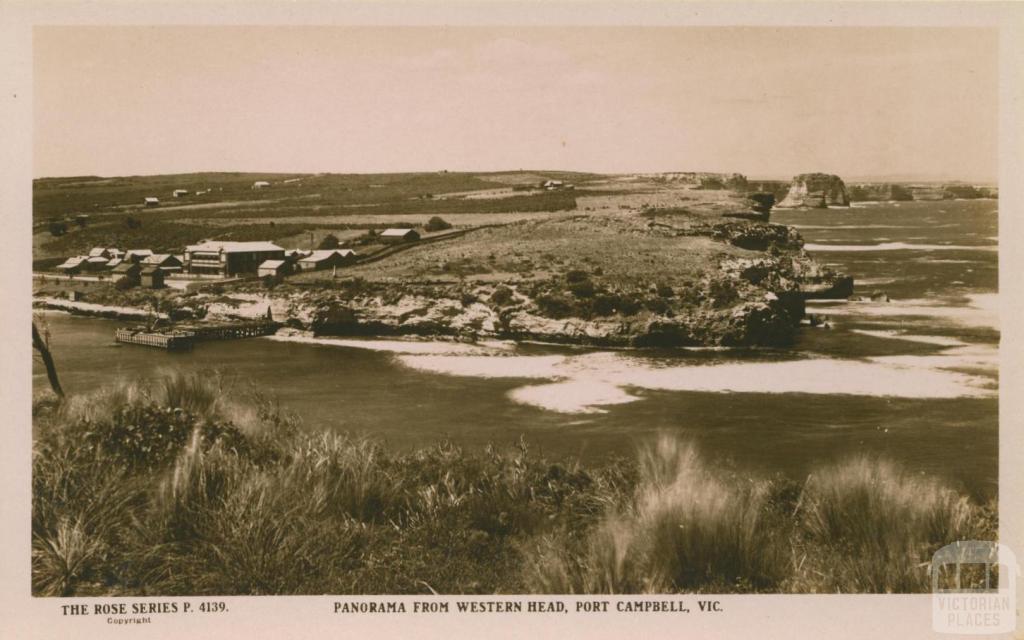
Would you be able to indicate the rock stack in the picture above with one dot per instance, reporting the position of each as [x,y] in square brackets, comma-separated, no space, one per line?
[815,191]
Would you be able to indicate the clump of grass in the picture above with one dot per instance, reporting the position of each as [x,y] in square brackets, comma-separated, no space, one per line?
[864,525]
[688,528]
[873,526]
[80,507]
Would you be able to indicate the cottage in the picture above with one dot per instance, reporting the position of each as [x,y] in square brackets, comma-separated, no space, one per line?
[95,263]
[395,236]
[260,184]
[71,266]
[151,201]
[113,263]
[100,252]
[274,268]
[326,259]
[296,254]
[137,255]
[166,262]
[127,270]
[152,277]
[229,258]
[179,193]
[551,185]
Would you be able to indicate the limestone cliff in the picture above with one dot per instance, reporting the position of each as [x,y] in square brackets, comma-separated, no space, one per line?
[879,192]
[815,191]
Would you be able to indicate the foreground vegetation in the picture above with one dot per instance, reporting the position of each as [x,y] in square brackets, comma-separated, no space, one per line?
[193,485]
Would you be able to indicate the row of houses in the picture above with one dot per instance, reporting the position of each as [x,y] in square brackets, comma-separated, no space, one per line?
[297,261]
[109,258]
[222,258]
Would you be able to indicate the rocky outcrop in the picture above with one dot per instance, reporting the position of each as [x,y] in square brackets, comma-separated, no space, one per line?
[760,208]
[815,191]
[756,301]
[879,192]
[702,179]
[889,192]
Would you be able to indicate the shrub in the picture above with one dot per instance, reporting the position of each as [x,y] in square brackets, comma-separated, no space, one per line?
[604,305]
[583,289]
[58,229]
[576,276]
[330,241]
[131,222]
[723,293]
[555,306]
[436,223]
[502,295]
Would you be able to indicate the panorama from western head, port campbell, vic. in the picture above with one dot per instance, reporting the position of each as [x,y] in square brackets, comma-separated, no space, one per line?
[492,311]
[564,319]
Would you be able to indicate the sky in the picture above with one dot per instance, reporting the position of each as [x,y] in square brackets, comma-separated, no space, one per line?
[765,102]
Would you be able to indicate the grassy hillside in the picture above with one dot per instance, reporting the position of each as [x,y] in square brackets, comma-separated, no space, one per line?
[229,208]
[58,197]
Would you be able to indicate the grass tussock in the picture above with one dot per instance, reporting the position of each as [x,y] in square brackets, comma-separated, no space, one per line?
[861,526]
[194,485]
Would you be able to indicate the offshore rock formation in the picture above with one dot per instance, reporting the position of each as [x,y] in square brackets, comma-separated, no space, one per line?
[815,191]
[879,192]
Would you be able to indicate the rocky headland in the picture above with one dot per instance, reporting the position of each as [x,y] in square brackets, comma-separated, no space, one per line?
[815,191]
[677,260]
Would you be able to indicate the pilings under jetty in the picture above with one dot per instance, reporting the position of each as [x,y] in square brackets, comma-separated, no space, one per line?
[182,337]
[170,340]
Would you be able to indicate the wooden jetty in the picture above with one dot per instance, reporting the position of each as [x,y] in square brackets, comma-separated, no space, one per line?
[170,340]
[184,336]
[233,330]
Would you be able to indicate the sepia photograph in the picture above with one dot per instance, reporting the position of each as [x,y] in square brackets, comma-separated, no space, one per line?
[630,312]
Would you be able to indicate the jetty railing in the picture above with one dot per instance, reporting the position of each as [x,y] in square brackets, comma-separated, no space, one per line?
[183,337]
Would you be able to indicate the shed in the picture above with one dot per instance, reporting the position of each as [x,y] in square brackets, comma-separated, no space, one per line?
[179,193]
[151,201]
[137,255]
[260,184]
[274,268]
[152,277]
[399,235]
[326,258]
[99,252]
[167,262]
[113,263]
[95,264]
[71,266]
[129,270]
